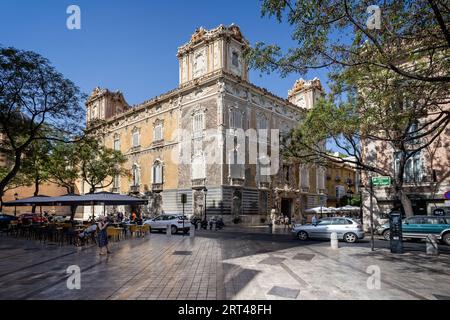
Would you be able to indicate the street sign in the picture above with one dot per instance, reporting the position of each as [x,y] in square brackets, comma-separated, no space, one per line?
[183,198]
[447,195]
[381,181]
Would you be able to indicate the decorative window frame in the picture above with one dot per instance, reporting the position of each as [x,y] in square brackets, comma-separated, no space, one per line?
[195,112]
[116,137]
[232,109]
[158,123]
[133,176]
[156,163]
[137,131]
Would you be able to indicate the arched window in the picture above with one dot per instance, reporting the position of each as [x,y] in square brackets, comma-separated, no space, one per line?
[136,173]
[157,172]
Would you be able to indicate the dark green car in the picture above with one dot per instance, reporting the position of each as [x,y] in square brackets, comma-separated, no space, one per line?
[418,227]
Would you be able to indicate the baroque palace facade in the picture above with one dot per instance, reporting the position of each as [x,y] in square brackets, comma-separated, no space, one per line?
[200,139]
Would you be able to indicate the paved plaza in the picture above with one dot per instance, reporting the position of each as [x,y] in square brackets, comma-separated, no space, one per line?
[227,264]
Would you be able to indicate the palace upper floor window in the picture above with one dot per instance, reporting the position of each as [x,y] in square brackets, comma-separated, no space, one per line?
[198,124]
[157,171]
[136,175]
[236,119]
[261,123]
[158,132]
[235,59]
[136,138]
[304,176]
[116,144]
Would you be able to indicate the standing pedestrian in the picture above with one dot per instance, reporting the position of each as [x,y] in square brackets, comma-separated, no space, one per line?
[103,235]
[314,220]
[286,222]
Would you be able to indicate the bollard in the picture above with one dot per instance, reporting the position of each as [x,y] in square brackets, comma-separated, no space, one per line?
[168,231]
[432,245]
[334,241]
[192,231]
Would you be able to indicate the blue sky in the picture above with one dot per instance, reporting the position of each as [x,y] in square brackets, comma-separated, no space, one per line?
[131,45]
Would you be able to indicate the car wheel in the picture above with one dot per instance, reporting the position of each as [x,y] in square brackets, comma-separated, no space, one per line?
[173,229]
[446,239]
[302,235]
[387,235]
[350,237]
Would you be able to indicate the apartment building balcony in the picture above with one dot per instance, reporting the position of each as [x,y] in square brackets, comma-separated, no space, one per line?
[321,191]
[157,187]
[198,183]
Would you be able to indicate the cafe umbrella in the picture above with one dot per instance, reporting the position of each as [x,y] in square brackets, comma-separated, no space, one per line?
[98,198]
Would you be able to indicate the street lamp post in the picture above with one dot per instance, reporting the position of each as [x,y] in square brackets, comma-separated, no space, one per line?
[205,191]
[16,197]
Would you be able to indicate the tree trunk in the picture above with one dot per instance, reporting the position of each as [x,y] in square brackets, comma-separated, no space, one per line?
[406,203]
[7,179]
[73,210]
[36,192]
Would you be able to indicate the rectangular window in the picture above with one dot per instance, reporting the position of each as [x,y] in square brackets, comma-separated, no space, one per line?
[157,174]
[116,182]
[413,168]
[116,144]
[136,139]
[157,133]
[304,177]
[198,125]
[235,119]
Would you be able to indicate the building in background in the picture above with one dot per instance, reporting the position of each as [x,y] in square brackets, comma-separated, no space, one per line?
[342,182]
[214,96]
[426,177]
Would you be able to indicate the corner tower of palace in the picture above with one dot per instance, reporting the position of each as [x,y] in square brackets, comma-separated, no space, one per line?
[214,95]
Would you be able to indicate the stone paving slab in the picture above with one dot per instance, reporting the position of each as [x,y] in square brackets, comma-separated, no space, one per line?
[218,266]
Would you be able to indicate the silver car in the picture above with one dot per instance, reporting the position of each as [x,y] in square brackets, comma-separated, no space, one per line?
[347,229]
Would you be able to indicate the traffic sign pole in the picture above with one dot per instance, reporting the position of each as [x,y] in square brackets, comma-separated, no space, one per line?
[372,241]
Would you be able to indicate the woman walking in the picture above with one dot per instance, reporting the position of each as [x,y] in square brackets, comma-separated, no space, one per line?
[102,235]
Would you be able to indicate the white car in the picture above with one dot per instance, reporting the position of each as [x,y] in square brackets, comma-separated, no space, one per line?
[174,220]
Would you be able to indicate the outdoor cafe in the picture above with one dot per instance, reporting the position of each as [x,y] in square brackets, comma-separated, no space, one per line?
[75,232]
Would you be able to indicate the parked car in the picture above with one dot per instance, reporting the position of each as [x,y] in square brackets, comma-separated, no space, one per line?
[418,227]
[28,218]
[174,220]
[5,220]
[347,229]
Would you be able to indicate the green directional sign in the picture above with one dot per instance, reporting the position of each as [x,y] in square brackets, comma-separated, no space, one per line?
[381,181]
